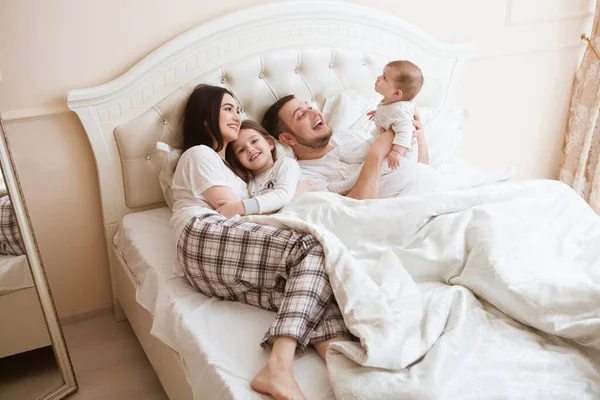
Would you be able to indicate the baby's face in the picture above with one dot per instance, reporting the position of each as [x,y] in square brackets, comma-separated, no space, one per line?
[384,85]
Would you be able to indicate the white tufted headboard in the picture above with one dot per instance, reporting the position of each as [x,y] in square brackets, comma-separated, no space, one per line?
[311,49]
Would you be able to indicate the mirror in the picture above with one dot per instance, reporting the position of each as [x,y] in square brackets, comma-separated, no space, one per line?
[34,361]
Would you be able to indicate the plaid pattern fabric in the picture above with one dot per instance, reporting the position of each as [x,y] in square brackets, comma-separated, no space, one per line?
[11,242]
[274,269]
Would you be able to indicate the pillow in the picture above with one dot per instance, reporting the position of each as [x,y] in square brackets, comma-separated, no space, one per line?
[443,126]
[443,131]
[348,110]
[283,150]
[167,162]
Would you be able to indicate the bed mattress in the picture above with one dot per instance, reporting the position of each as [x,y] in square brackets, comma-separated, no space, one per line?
[218,340]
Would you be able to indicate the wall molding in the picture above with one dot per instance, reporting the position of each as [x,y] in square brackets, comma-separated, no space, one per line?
[30,114]
[516,18]
[526,52]
[85,315]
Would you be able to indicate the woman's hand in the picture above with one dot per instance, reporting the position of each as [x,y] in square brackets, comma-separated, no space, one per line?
[419,137]
[418,133]
[303,187]
[228,209]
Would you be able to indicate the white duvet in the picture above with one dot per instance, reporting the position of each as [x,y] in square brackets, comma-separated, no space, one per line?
[483,293]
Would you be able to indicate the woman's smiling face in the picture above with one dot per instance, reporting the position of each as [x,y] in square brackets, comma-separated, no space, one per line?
[229,119]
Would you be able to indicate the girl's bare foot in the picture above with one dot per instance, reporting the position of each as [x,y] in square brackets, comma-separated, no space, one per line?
[277,382]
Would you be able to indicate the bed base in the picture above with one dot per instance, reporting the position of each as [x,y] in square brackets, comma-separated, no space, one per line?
[166,362]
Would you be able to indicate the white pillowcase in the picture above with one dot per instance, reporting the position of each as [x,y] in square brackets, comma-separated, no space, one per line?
[443,126]
[167,162]
[443,131]
[283,150]
[348,111]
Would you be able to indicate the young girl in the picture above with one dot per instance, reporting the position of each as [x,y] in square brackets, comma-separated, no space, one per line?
[271,182]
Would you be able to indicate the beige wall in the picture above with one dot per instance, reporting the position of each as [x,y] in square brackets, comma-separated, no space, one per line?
[516,88]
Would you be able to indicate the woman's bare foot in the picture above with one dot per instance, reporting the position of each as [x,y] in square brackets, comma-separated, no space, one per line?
[277,382]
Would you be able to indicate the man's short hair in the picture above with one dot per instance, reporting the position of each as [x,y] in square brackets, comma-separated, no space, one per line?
[272,121]
[407,77]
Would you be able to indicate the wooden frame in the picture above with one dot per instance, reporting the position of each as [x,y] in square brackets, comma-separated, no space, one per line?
[37,271]
[24,334]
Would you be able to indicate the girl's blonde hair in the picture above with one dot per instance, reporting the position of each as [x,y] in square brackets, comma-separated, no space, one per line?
[235,164]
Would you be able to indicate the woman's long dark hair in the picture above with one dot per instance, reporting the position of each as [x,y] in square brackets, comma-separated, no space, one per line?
[201,117]
[235,164]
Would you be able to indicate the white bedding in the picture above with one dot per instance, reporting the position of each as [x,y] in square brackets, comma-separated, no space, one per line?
[14,274]
[530,249]
[218,340]
[404,272]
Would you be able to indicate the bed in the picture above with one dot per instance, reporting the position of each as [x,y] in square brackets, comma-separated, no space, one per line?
[18,296]
[202,348]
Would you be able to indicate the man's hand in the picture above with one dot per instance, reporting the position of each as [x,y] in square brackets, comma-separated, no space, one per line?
[382,145]
[303,187]
[393,159]
[229,209]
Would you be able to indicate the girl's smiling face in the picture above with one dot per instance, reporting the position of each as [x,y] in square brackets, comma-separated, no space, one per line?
[254,151]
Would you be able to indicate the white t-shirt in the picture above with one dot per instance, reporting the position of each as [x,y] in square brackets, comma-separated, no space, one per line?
[338,170]
[333,172]
[274,188]
[399,117]
[199,169]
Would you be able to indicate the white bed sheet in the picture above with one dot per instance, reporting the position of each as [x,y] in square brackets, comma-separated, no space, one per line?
[218,340]
[14,274]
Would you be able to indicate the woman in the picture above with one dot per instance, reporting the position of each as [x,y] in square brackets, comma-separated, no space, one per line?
[274,269]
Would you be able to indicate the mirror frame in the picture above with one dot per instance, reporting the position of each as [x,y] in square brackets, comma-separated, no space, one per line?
[38,273]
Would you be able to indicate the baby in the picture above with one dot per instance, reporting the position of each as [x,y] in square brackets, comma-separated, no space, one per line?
[272,183]
[400,82]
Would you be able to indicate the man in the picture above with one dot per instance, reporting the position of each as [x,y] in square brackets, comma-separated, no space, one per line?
[335,164]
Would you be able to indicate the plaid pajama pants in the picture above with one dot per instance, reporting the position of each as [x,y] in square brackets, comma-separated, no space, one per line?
[11,242]
[274,269]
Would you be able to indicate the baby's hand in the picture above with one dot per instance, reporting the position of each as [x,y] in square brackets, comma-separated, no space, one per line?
[228,209]
[371,114]
[394,159]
